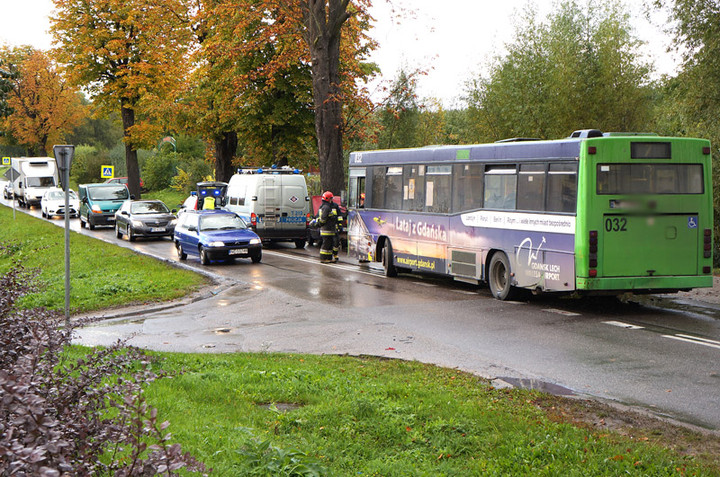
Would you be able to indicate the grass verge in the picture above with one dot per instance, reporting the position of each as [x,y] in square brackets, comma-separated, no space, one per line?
[101,275]
[267,414]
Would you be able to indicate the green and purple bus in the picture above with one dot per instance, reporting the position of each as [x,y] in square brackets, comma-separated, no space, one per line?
[595,213]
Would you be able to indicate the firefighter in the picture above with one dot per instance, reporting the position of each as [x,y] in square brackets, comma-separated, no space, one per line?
[327,220]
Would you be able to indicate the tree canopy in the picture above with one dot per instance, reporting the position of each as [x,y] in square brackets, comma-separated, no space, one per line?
[39,106]
[579,69]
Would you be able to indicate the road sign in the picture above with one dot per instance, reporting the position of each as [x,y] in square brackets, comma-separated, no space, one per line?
[107,172]
[6,161]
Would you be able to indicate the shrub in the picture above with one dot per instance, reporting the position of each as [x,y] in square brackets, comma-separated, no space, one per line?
[84,416]
[159,170]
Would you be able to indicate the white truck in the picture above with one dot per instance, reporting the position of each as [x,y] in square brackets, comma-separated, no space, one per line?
[274,201]
[31,177]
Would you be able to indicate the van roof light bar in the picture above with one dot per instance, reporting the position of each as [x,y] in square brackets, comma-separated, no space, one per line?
[269,170]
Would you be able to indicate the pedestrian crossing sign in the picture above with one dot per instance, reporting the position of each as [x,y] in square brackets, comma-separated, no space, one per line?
[5,161]
[108,172]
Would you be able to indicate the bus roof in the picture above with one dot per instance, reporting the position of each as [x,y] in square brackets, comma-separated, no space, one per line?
[559,149]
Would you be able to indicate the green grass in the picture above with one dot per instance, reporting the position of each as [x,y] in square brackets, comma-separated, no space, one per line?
[101,275]
[366,416]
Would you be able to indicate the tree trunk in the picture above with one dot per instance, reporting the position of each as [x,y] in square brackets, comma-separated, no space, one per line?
[131,159]
[323,22]
[225,148]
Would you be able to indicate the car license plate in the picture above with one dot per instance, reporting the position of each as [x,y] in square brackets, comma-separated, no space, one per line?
[157,229]
[238,251]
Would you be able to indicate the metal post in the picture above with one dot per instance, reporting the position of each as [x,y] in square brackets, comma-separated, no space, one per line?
[12,182]
[66,181]
[63,158]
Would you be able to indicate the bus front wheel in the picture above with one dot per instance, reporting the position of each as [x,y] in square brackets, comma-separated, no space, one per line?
[499,276]
[387,259]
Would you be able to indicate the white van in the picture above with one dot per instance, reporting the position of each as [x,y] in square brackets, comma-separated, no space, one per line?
[31,177]
[274,202]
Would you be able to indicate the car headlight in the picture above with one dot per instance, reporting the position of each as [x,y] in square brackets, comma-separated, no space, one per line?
[216,244]
[255,241]
[173,223]
[97,209]
[137,223]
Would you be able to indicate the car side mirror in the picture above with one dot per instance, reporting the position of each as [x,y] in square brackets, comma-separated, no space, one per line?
[174,211]
[125,212]
[192,228]
[132,197]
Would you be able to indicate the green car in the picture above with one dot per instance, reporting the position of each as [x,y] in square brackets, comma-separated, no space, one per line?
[99,202]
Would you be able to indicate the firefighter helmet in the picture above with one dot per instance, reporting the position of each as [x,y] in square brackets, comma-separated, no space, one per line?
[327,196]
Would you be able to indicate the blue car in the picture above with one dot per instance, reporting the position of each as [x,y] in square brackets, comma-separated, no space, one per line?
[215,235]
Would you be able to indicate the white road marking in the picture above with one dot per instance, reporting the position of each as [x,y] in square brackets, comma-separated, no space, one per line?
[695,340]
[627,326]
[561,312]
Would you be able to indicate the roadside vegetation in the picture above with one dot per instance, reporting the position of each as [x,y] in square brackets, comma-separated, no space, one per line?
[279,414]
[102,275]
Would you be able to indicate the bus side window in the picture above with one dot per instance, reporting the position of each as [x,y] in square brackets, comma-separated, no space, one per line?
[378,187]
[467,187]
[531,187]
[500,187]
[438,189]
[413,188]
[562,188]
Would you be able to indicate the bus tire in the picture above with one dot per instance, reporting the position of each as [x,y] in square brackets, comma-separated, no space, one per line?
[499,276]
[387,259]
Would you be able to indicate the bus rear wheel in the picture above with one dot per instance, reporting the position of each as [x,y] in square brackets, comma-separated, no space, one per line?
[499,277]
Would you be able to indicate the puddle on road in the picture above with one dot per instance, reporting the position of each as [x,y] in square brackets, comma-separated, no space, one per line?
[550,388]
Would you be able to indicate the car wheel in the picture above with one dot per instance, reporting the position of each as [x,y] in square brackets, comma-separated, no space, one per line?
[118,234]
[130,234]
[82,223]
[256,256]
[90,223]
[204,259]
[387,260]
[180,253]
[44,215]
[300,243]
[499,276]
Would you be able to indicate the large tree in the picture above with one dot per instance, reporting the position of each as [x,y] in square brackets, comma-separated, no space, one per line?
[40,106]
[124,52]
[579,69]
[330,38]
[691,103]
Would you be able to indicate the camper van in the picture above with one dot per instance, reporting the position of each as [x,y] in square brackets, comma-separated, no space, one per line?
[274,201]
[31,177]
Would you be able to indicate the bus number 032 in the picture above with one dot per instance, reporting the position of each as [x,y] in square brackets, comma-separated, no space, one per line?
[616,225]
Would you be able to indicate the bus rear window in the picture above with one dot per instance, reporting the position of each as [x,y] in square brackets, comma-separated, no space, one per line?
[628,179]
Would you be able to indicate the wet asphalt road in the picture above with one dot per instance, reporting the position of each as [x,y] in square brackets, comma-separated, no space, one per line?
[661,356]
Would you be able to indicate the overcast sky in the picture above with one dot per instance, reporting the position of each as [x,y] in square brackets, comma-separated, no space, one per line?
[451,39]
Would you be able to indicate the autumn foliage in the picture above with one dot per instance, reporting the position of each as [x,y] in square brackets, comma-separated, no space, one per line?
[44,106]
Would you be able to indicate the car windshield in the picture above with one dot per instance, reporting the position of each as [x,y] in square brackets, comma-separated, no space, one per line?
[59,195]
[149,208]
[119,192]
[221,222]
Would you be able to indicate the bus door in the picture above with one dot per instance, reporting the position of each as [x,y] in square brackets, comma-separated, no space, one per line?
[650,245]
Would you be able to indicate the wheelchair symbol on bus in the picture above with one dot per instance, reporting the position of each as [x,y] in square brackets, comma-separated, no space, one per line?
[692,222]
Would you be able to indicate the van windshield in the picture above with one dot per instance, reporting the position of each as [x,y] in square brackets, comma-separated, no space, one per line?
[119,192]
[41,182]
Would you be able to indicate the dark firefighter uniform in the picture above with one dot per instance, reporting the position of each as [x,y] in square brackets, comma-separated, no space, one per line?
[328,220]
